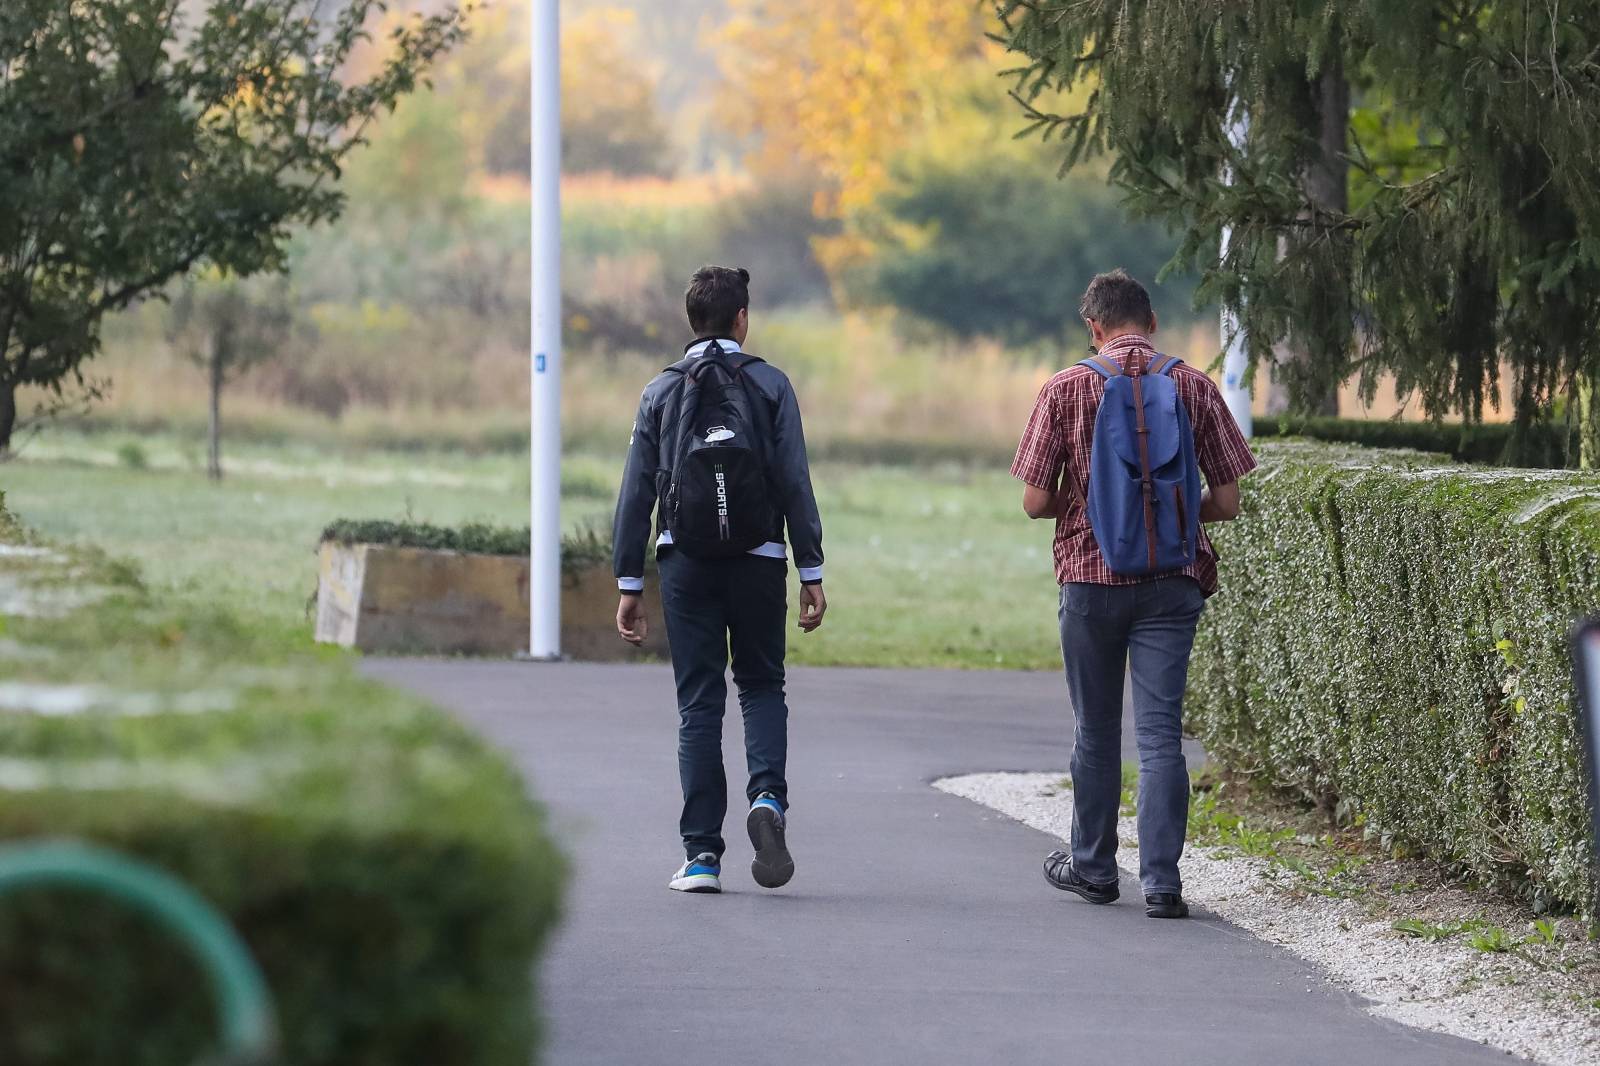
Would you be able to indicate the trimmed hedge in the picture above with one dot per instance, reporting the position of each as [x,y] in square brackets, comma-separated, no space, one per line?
[1391,643]
[1544,446]
[384,866]
[579,550]
[472,537]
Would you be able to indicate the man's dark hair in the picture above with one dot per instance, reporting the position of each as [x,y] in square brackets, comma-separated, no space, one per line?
[1116,301]
[716,296]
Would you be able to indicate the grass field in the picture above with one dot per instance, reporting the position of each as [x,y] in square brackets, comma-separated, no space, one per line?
[926,566]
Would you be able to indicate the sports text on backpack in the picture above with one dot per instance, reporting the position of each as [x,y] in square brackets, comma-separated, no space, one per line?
[716,435]
[1144,480]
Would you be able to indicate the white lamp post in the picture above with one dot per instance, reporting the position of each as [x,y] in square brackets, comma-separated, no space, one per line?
[544,575]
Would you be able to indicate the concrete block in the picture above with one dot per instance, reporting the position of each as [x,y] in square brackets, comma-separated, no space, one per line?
[418,601]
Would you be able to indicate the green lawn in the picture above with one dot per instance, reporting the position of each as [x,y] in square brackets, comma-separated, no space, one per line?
[927,567]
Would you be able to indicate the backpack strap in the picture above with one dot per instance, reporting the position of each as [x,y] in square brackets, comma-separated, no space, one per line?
[740,362]
[1147,484]
[1162,363]
[1103,365]
[737,360]
[1069,484]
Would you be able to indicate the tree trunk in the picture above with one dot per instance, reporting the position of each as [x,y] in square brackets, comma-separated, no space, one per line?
[214,430]
[1588,399]
[1326,184]
[8,415]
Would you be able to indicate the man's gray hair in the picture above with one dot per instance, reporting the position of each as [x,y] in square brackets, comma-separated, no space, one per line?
[1115,300]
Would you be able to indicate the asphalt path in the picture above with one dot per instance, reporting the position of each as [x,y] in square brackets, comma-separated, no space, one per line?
[918,927]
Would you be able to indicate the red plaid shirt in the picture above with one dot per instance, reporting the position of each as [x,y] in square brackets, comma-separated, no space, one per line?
[1060,433]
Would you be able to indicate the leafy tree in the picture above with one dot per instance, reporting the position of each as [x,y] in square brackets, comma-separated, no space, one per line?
[1417,194]
[974,232]
[990,246]
[839,86]
[226,325]
[137,143]
[609,118]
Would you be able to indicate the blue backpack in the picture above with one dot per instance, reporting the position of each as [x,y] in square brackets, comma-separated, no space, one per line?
[1144,481]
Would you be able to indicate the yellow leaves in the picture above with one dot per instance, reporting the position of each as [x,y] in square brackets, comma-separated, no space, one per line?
[601,72]
[840,85]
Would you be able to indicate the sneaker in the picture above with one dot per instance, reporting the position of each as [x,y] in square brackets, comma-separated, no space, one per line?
[772,867]
[1165,905]
[699,874]
[1059,872]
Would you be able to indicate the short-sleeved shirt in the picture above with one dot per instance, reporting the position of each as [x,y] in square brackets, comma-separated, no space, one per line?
[1061,431]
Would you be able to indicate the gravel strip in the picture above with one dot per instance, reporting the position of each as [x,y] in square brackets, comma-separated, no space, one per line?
[1506,1000]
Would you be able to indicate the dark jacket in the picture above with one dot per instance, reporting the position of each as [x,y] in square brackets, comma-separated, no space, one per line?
[790,474]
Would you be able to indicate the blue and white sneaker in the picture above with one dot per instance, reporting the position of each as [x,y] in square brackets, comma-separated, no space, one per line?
[699,874]
[772,867]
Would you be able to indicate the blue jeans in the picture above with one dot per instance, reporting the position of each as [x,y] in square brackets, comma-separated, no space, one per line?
[1109,632]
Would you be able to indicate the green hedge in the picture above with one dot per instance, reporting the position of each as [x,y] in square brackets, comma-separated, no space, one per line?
[473,537]
[384,866]
[1547,445]
[1390,641]
[580,550]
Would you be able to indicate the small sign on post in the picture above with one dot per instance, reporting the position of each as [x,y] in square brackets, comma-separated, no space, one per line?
[1586,671]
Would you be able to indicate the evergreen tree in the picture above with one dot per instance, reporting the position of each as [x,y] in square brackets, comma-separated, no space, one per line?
[1417,193]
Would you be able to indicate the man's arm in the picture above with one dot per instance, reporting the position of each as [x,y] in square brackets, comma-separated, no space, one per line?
[791,470]
[630,530]
[1040,462]
[1038,503]
[1224,457]
[1220,503]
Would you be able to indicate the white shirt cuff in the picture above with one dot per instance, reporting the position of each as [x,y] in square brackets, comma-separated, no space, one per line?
[810,574]
[630,584]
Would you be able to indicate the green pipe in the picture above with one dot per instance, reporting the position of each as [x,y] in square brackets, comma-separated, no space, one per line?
[249,1034]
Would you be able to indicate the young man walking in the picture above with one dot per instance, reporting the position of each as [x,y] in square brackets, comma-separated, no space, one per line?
[1135,568]
[718,444]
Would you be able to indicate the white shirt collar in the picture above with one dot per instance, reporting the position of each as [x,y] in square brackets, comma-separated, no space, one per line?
[728,344]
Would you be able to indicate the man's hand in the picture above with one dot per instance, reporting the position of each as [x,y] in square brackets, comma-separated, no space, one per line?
[813,605]
[632,626]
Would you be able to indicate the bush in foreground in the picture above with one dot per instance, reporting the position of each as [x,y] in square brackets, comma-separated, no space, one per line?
[1391,643]
[384,866]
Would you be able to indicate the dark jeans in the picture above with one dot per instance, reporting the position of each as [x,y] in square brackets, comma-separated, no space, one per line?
[1109,632]
[712,605]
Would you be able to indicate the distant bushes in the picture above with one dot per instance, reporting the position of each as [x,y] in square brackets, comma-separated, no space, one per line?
[1495,443]
[1391,643]
[993,245]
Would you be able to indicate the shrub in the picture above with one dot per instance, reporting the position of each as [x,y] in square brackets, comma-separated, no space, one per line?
[473,537]
[1544,445]
[132,456]
[1391,643]
[383,865]
[992,245]
[579,550]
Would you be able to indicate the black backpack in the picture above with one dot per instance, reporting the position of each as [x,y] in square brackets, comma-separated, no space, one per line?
[715,498]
